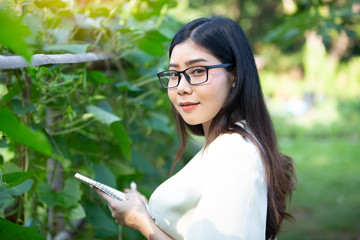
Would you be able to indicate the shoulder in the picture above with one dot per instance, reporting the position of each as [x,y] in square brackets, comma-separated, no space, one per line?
[229,138]
[234,149]
[232,143]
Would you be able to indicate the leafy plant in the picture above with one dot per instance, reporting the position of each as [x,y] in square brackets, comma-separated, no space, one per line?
[94,118]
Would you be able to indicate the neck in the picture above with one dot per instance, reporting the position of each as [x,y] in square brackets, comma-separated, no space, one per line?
[209,137]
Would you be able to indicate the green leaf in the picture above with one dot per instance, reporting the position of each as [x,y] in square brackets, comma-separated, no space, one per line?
[71,48]
[76,213]
[12,231]
[97,77]
[68,197]
[137,56]
[16,178]
[102,115]
[21,188]
[13,91]
[82,143]
[64,12]
[22,134]
[19,109]
[104,175]
[47,195]
[152,42]
[103,224]
[123,168]
[13,33]
[126,86]
[71,194]
[53,21]
[99,12]
[141,163]
[159,122]
[50,3]
[6,200]
[122,29]
[62,151]
[156,36]
[122,138]
[151,47]
[10,167]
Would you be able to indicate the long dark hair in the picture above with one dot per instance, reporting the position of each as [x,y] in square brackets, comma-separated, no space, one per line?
[226,40]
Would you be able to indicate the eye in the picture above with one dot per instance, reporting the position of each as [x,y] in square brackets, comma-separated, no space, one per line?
[173,75]
[197,71]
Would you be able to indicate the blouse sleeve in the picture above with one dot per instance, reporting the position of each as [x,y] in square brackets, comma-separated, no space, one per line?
[233,202]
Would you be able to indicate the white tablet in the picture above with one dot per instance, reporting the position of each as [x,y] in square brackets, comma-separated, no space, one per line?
[112,192]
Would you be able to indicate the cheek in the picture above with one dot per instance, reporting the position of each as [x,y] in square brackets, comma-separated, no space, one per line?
[218,93]
[172,96]
[220,85]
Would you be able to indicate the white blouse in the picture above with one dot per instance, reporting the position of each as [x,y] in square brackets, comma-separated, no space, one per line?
[220,194]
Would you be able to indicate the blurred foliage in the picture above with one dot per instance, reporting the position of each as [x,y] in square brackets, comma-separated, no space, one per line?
[12,26]
[307,52]
[94,118]
[111,120]
[327,18]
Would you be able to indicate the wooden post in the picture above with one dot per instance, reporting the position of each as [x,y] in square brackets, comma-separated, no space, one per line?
[55,177]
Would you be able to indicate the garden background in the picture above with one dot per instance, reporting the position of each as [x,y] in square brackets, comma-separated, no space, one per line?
[111,119]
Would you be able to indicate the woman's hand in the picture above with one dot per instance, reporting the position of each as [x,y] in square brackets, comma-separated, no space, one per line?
[133,213]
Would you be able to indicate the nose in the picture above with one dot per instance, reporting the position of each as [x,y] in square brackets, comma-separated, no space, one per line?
[184,87]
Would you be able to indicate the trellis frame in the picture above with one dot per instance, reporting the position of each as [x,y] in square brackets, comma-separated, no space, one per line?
[15,62]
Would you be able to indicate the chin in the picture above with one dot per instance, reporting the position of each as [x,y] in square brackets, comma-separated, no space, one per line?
[192,122]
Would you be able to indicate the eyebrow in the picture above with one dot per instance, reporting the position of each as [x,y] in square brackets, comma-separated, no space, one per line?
[190,62]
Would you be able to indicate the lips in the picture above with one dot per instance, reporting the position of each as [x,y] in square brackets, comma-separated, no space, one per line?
[188,106]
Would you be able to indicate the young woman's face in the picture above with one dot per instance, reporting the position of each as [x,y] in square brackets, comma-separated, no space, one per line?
[200,103]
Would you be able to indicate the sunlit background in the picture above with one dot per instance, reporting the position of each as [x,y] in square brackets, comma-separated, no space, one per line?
[307,54]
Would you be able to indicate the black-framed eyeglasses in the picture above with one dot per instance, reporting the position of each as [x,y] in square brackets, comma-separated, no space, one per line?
[195,75]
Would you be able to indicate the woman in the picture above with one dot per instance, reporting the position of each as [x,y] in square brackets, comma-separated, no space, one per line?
[236,186]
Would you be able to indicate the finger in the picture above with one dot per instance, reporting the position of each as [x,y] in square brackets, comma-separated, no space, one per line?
[133,186]
[144,199]
[103,195]
[128,196]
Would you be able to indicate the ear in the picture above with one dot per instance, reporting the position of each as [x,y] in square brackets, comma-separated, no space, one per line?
[232,79]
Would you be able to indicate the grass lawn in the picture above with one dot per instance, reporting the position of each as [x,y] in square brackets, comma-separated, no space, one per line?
[326,203]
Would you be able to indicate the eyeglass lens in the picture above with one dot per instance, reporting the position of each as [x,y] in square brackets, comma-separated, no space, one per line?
[194,75]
